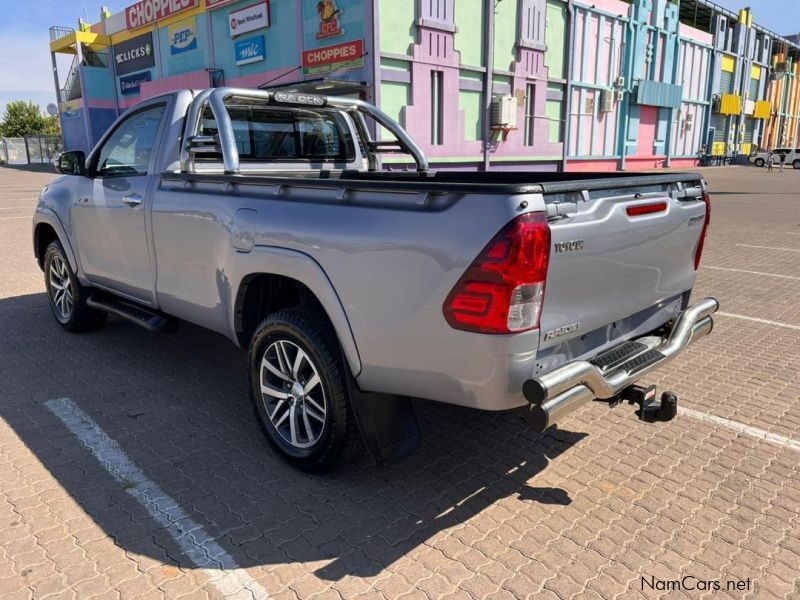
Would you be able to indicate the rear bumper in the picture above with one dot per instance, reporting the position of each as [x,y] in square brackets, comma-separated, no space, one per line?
[557,393]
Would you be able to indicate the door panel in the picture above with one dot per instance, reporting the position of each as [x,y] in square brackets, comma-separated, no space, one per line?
[111,234]
[109,215]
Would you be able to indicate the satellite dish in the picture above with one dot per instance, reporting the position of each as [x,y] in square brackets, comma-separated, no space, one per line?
[52,109]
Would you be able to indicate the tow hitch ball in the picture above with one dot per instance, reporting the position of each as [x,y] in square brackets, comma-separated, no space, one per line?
[650,409]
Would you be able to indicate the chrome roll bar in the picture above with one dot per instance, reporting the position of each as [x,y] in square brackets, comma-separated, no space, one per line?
[216,99]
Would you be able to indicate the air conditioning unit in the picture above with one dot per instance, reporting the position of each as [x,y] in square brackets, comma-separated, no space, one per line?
[504,112]
[607,100]
[620,82]
[716,103]
[619,95]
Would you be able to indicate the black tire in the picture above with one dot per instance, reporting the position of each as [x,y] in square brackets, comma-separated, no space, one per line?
[759,162]
[338,434]
[796,164]
[79,317]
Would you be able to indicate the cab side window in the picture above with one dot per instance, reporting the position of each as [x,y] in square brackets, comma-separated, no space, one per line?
[128,150]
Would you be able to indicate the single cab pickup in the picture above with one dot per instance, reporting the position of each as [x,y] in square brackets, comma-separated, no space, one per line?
[266,216]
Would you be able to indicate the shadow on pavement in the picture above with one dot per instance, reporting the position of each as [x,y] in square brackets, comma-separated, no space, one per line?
[178,406]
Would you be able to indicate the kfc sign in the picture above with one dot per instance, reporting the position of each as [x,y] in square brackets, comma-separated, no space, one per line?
[347,55]
[149,11]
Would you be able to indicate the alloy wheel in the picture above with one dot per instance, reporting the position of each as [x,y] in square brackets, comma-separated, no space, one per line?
[60,282]
[292,393]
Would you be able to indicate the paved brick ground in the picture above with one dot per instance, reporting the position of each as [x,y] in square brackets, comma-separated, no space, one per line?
[484,509]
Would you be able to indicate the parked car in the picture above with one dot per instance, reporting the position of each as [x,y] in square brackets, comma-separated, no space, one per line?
[265,216]
[792,157]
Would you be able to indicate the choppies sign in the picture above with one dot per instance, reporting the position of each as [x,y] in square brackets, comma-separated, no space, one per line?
[150,11]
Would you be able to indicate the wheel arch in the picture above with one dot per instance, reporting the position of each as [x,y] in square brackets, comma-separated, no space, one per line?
[291,279]
[46,229]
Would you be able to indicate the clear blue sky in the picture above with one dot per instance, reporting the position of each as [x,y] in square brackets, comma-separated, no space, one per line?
[25,68]
[25,71]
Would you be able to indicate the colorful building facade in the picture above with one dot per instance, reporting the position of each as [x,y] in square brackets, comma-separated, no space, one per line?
[501,84]
[782,130]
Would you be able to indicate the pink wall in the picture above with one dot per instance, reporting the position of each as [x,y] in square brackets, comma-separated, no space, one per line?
[436,51]
[693,75]
[192,80]
[591,165]
[592,131]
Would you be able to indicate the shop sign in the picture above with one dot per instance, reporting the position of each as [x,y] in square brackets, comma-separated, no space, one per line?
[135,54]
[182,36]
[329,19]
[132,83]
[251,50]
[212,4]
[69,110]
[149,11]
[250,18]
[348,55]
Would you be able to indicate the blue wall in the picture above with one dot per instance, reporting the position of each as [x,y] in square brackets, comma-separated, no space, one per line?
[185,60]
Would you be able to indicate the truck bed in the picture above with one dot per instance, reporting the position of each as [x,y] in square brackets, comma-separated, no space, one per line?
[506,183]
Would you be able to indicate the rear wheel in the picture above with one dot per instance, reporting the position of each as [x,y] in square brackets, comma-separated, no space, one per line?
[67,296]
[759,162]
[298,389]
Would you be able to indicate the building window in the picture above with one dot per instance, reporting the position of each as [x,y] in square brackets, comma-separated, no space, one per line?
[530,108]
[437,108]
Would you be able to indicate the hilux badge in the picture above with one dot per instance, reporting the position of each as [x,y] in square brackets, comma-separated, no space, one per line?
[695,221]
[568,246]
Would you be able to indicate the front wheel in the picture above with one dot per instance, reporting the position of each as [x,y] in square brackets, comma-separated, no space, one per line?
[759,162]
[298,389]
[67,296]
[796,164]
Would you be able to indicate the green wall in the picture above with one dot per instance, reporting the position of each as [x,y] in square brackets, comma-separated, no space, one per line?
[469,32]
[553,112]
[397,25]
[505,34]
[394,96]
[555,38]
[472,104]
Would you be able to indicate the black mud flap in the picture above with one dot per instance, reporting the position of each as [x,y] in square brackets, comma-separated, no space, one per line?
[388,423]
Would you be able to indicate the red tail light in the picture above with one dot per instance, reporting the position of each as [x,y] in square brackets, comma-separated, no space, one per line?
[701,242]
[503,289]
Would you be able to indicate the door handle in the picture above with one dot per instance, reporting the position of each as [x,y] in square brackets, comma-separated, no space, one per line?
[132,199]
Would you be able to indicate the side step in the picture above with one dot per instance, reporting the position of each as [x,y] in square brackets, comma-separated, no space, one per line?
[150,319]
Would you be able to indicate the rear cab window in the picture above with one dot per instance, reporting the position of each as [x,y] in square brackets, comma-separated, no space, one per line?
[291,135]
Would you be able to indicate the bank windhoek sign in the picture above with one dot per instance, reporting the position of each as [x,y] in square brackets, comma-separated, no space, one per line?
[145,12]
[249,18]
[347,55]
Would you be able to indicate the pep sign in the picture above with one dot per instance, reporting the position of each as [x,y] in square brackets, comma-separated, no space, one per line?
[182,37]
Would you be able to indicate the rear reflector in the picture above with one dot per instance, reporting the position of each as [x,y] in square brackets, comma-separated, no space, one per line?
[646,209]
[503,289]
[698,253]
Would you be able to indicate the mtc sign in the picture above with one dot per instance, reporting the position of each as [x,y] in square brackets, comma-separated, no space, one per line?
[145,12]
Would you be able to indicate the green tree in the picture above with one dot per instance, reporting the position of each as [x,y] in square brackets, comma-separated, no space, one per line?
[24,118]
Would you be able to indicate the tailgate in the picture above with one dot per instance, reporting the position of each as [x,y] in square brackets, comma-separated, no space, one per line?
[607,262]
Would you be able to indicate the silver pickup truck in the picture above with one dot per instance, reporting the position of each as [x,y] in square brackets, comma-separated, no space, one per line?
[266,216]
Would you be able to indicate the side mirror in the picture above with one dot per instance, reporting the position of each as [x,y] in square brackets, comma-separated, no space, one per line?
[72,163]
